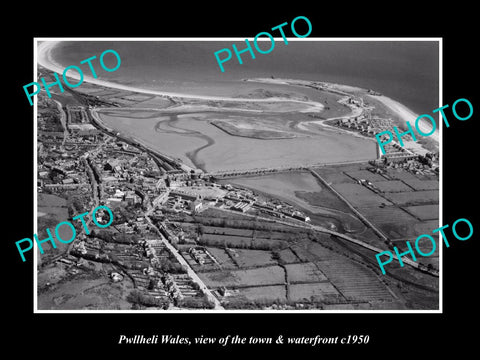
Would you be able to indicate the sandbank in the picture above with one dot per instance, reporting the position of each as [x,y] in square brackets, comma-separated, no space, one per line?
[401,111]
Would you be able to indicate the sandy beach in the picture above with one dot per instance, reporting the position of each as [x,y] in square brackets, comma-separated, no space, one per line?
[45,59]
[406,114]
[277,104]
[403,112]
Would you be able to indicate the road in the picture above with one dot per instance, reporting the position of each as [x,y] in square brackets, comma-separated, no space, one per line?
[314,227]
[63,120]
[94,186]
[193,275]
[235,173]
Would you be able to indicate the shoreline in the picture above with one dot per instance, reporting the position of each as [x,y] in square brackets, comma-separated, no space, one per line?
[45,59]
[401,111]
[408,115]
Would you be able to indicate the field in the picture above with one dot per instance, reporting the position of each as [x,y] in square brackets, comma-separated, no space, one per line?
[274,235]
[386,215]
[334,174]
[386,209]
[47,200]
[354,282]
[358,195]
[52,210]
[315,291]
[365,174]
[222,257]
[425,212]
[219,214]
[430,298]
[288,256]
[240,242]
[414,198]
[323,198]
[239,278]
[391,220]
[305,272]
[422,184]
[312,251]
[318,267]
[275,292]
[249,258]
[85,291]
[227,231]
[407,176]
[224,240]
[425,227]
[392,186]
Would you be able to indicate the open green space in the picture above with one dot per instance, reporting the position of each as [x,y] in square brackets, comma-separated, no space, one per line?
[250,277]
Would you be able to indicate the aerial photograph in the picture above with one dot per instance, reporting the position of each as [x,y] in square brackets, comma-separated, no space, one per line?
[259,188]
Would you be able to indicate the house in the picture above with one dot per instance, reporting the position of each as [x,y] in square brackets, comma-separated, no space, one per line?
[184,195]
[114,202]
[196,205]
[116,277]
[242,206]
[223,291]
[43,174]
[119,194]
[112,165]
[132,198]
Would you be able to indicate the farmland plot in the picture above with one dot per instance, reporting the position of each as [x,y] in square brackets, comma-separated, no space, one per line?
[272,275]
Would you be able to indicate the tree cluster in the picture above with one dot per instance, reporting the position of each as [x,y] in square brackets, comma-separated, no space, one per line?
[137,297]
[195,303]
